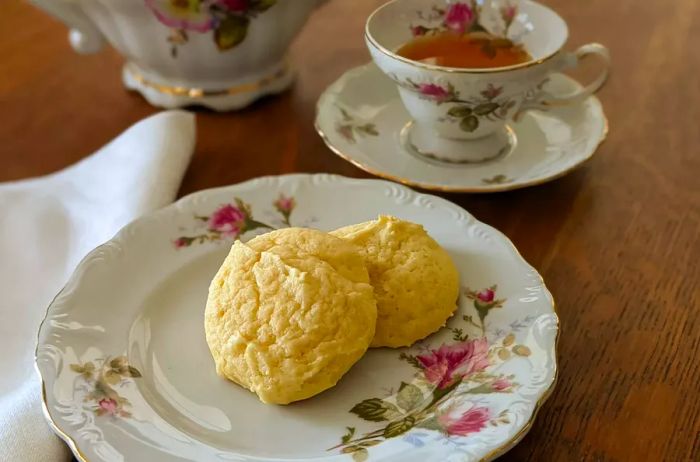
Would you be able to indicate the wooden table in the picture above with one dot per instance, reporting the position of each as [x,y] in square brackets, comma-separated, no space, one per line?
[617,241]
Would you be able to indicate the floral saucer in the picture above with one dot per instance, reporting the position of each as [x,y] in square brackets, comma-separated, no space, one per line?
[127,374]
[362,119]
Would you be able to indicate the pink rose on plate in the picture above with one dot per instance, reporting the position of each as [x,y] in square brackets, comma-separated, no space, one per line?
[484,300]
[459,17]
[501,384]
[183,14]
[345,131]
[471,421]
[433,91]
[108,406]
[228,220]
[285,204]
[486,295]
[453,362]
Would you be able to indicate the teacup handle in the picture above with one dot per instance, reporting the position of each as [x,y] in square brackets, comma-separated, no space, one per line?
[571,60]
[84,36]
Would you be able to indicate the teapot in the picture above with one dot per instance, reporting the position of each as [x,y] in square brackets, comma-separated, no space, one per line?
[221,54]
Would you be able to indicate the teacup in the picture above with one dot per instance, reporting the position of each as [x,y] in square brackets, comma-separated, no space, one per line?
[222,54]
[460,115]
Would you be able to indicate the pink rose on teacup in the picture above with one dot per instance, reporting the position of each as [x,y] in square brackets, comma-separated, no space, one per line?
[459,17]
[183,14]
[234,5]
[434,91]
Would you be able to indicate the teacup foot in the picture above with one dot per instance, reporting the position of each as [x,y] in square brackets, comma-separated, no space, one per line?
[163,93]
[423,143]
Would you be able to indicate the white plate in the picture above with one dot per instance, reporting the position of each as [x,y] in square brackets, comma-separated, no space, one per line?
[360,117]
[127,374]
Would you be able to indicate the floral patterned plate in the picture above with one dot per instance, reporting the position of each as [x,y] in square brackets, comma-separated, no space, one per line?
[127,374]
[362,119]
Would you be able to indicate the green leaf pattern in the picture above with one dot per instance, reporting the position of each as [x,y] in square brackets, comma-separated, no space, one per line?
[102,378]
[469,124]
[230,25]
[231,31]
[468,113]
[409,396]
[399,427]
[489,106]
[349,128]
[375,410]
[348,436]
[497,179]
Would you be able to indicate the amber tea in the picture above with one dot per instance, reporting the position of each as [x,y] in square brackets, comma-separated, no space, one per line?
[474,50]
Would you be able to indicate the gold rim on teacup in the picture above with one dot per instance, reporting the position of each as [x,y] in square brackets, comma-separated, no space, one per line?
[369,37]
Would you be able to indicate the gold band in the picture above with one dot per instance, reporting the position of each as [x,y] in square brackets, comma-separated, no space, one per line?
[452,70]
[455,189]
[200,92]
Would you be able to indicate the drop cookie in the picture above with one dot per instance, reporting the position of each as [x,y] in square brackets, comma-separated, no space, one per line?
[289,312]
[416,283]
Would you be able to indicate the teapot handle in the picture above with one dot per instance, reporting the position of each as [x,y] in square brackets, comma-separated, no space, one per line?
[84,35]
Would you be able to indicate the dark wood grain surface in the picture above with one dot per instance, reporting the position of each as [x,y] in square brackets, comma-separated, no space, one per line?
[617,241]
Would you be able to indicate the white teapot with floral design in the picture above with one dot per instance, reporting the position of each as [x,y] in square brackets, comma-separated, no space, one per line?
[222,54]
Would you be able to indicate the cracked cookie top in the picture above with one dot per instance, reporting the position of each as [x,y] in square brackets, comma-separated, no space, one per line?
[416,283]
[289,312]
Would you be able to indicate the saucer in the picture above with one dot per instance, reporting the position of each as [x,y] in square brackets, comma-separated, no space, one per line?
[362,119]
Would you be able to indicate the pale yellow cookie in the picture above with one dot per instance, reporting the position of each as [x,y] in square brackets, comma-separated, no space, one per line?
[289,313]
[415,282]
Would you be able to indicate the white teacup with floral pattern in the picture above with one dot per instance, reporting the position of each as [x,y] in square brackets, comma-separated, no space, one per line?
[460,115]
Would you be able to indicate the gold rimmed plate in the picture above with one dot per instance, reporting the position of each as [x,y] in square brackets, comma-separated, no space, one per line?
[127,374]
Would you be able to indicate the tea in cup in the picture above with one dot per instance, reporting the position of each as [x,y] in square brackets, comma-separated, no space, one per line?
[464,69]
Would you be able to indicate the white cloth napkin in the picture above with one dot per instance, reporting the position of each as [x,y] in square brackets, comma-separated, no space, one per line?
[47,225]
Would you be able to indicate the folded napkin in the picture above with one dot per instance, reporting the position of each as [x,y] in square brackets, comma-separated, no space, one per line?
[47,225]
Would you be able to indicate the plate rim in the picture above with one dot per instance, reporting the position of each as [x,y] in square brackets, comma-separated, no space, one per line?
[491,455]
[331,90]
